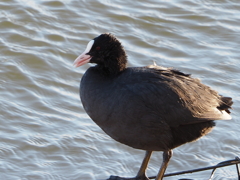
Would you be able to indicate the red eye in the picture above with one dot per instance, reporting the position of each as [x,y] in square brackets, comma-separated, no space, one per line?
[98,48]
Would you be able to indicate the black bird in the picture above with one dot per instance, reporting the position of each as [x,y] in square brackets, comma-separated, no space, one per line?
[150,108]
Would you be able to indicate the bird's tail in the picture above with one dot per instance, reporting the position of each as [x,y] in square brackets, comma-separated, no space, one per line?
[226,104]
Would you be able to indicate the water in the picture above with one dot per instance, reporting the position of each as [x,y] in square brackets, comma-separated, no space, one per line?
[45,133]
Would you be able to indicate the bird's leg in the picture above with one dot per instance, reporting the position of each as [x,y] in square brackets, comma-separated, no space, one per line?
[143,168]
[141,175]
[166,157]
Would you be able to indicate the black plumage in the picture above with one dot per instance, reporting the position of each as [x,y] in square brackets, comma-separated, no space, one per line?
[150,108]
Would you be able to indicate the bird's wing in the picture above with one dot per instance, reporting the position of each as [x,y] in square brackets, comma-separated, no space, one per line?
[176,98]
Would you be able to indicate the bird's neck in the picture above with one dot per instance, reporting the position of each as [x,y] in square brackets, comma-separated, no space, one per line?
[113,65]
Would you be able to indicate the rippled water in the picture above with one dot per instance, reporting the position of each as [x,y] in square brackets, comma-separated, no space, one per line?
[45,133]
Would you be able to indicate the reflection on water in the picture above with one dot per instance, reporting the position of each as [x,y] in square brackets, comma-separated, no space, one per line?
[45,133]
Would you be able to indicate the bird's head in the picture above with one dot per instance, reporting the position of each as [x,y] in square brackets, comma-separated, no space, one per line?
[107,52]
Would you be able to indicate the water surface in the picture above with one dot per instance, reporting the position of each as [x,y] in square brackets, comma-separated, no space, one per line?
[45,133]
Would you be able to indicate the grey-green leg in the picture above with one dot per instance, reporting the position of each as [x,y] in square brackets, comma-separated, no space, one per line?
[141,175]
[166,158]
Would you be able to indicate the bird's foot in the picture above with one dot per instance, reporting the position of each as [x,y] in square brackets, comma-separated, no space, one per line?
[122,178]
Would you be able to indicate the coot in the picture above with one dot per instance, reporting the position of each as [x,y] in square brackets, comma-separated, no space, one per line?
[150,108]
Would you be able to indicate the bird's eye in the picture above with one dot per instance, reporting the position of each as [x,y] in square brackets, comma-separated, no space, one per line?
[98,48]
